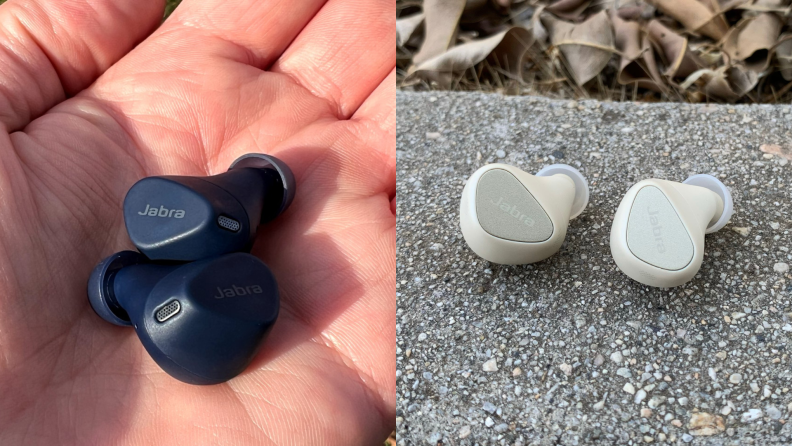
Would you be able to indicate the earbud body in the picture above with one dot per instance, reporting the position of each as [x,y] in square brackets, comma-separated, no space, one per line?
[508,216]
[657,236]
[202,322]
[189,218]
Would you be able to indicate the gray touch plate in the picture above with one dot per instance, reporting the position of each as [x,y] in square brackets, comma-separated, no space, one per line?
[655,234]
[507,210]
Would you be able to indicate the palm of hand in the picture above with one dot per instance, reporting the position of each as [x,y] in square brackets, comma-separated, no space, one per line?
[188,101]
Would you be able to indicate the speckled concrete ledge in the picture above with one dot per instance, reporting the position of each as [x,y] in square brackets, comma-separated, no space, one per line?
[571,351]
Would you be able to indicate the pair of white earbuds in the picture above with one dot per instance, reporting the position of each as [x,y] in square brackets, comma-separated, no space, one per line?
[657,238]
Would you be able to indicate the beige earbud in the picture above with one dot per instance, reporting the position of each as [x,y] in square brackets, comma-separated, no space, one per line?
[511,217]
[657,236]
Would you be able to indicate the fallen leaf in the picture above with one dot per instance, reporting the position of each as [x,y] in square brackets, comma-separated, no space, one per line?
[587,47]
[538,30]
[636,12]
[698,17]
[637,65]
[703,424]
[775,149]
[727,83]
[752,40]
[485,17]
[679,60]
[406,27]
[568,9]
[442,17]
[681,48]
[783,53]
[505,50]
[764,6]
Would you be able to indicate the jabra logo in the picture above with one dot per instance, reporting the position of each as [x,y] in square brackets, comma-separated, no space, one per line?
[513,211]
[162,212]
[235,291]
[657,230]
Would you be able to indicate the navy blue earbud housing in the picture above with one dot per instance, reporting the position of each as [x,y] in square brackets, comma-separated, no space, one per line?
[189,218]
[202,322]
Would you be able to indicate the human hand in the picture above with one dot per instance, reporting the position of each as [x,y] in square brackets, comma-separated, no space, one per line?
[189,100]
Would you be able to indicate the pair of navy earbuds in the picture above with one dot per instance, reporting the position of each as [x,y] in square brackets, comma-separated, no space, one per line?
[201,305]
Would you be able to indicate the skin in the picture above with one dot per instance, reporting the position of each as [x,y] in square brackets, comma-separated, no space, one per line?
[83,116]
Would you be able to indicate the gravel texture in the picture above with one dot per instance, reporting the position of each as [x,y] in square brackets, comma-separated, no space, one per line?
[570,350]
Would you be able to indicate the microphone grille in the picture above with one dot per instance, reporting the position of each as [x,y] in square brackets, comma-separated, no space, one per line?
[168,311]
[228,223]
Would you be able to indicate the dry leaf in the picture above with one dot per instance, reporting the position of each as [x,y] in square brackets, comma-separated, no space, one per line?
[728,83]
[775,149]
[485,17]
[752,40]
[741,80]
[627,36]
[678,59]
[784,55]
[703,424]
[728,5]
[568,9]
[406,28]
[636,12]
[505,50]
[538,30]
[637,65]
[779,6]
[654,52]
[586,46]
[442,17]
[697,17]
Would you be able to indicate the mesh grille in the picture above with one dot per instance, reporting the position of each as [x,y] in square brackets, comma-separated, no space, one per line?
[228,223]
[168,311]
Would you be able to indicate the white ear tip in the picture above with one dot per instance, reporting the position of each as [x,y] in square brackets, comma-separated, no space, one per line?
[715,185]
[581,185]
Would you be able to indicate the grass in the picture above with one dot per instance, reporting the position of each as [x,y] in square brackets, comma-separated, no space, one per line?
[170,6]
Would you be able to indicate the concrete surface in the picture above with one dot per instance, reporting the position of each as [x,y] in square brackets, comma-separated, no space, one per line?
[571,351]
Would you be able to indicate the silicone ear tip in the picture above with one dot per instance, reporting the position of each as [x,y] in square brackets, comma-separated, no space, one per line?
[262,161]
[715,185]
[581,185]
[100,286]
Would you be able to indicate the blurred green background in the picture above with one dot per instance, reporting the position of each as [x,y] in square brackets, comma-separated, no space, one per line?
[172,4]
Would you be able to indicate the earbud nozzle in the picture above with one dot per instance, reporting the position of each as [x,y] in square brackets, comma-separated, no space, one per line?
[715,185]
[581,185]
[100,286]
[262,161]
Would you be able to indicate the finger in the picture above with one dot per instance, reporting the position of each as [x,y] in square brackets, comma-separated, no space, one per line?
[197,82]
[379,110]
[378,113]
[53,48]
[344,53]
[261,29]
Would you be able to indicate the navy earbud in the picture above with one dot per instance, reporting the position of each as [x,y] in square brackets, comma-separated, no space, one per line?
[202,322]
[189,218]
